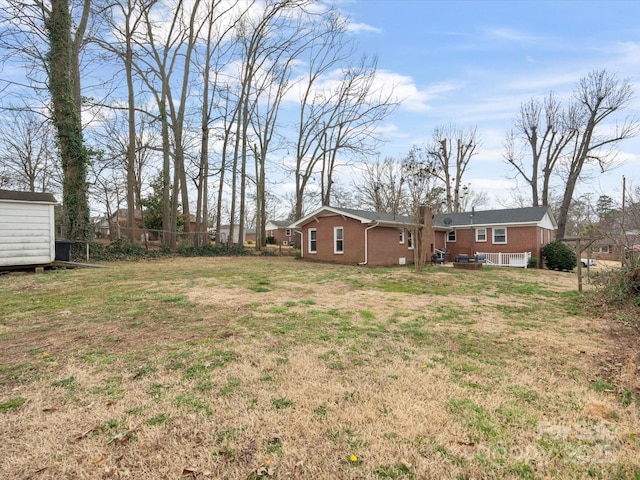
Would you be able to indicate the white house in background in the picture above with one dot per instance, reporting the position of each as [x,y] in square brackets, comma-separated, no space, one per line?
[223,236]
[27,228]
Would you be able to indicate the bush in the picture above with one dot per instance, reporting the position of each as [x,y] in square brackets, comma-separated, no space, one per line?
[213,251]
[271,240]
[559,256]
[121,249]
[533,262]
[620,286]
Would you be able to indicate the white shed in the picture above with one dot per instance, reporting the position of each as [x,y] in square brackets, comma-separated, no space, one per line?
[27,228]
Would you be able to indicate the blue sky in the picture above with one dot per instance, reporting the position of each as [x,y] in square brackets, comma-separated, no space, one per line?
[474,62]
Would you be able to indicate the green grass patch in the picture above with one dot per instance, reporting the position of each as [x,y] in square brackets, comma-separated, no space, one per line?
[12,404]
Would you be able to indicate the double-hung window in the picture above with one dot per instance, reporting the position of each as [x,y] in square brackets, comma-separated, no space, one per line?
[313,240]
[499,235]
[338,240]
[402,235]
[481,235]
[451,236]
[410,239]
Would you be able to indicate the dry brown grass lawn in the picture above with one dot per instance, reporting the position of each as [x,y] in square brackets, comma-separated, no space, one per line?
[276,368]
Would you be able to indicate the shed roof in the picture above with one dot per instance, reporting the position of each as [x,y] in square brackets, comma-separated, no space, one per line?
[27,196]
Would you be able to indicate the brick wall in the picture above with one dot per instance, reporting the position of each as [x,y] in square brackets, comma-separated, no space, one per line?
[383,243]
[519,240]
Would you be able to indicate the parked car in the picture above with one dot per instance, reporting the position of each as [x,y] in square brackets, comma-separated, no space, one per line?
[588,262]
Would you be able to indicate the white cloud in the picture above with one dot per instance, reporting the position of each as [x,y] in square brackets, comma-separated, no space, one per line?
[513,35]
[359,27]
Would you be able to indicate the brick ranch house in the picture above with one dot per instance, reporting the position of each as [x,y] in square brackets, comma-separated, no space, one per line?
[511,230]
[359,237]
[281,232]
[355,237]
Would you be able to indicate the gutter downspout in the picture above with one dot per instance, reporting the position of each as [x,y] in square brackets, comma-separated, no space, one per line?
[366,242]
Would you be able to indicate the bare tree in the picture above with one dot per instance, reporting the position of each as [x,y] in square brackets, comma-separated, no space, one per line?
[422,173]
[215,52]
[335,117]
[382,187]
[161,52]
[597,96]
[546,131]
[451,150]
[64,86]
[27,158]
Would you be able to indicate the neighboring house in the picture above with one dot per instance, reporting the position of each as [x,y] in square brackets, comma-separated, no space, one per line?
[27,228]
[223,236]
[511,230]
[281,232]
[613,246]
[250,235]
[356,237]
[349,236]
[115,226]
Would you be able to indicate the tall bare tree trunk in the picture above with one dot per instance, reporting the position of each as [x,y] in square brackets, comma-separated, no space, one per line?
[63,69]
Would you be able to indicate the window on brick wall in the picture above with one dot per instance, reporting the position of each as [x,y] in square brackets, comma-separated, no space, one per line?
[410,239]
[451,236]
[402,235]
[481,235]
[313,240]
[499,235]
[338,240]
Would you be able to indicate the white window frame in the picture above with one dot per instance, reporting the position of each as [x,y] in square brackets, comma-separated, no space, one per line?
[478,230]
[493,235]
[401,236]
[410,239]
[313,241]
[449,240]
[336,240]
[287,232]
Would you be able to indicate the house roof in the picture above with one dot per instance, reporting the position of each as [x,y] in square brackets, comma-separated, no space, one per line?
[27,196]
[363,216]
[280,223]
[508,216]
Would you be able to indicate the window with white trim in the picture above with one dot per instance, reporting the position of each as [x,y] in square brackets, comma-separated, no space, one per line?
[338,240]
[499,235]
[481,234]
[451,236]
[287,232]
[601,249]
[402,235]
[313,242]
[410,239]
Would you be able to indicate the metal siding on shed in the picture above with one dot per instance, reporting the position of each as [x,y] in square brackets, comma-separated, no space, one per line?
[26,233]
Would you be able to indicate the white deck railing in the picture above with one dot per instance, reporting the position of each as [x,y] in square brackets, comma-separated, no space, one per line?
[507,259]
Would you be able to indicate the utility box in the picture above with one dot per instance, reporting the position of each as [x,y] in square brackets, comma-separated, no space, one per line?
[63,249]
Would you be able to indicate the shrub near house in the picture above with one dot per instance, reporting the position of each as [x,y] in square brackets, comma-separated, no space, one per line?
[559,256]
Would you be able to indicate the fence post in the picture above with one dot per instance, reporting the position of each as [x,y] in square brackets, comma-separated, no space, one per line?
[500,258]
